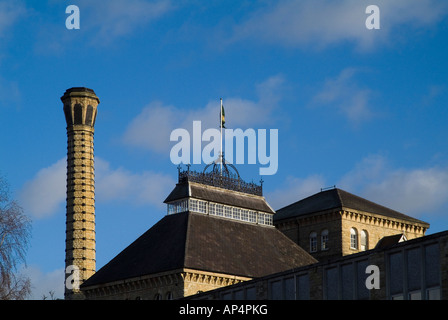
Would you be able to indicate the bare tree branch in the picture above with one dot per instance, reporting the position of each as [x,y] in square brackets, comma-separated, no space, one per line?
[15,233]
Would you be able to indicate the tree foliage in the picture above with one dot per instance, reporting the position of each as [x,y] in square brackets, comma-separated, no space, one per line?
[15,232]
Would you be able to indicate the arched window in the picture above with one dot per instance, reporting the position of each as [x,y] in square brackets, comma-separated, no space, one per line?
[158,296]
[364,240]
[78,114]
[324,240]
[89,115]
[169,295]
[353,238]
[313,242]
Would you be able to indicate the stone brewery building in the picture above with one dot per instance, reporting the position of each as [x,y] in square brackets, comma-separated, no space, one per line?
[220,239]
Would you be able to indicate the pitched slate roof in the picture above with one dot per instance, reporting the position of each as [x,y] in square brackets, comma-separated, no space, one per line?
[337,199]
[209,193]
[198,241]
[390,240]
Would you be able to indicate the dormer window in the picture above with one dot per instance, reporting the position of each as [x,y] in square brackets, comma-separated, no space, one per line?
[218,209]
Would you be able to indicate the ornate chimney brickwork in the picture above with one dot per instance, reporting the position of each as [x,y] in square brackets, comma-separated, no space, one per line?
[80,109]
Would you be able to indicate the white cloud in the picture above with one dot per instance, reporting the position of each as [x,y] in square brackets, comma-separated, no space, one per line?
[137,188]
[346,96]
[115,18]
[151,129]
[411,191]
[43,283]
[9,93]
[415,191]
[45,194]
[294,189]
[321,23]
[10,12]
[42,195]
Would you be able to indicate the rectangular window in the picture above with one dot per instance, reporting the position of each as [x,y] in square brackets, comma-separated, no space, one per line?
[433,293]
[313,243]
[416,295]
[289,289]
[414,269]
[347,281]
[276,290]
[244,215]
[202,206]
[396,274]
[331,283]
[177,207]
[251,293]
[253,216]
[212,209]
[236,213]
[219,209]
[268,220]
[228,212]
[324,243]
[432,265]
[183,206]
[303,287]
[193,205]
[353,241]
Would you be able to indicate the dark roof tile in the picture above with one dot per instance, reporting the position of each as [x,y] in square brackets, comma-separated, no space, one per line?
[208,243]
[215,194]
[337,199]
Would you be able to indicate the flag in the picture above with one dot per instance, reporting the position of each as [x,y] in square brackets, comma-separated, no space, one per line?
[223,116]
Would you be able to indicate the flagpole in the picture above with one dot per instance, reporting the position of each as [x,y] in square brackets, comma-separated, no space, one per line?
[220,124]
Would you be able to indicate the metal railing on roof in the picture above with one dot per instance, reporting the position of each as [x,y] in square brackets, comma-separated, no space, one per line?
[228,181]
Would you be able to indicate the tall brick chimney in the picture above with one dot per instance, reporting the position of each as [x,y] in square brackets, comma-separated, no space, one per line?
[80,109]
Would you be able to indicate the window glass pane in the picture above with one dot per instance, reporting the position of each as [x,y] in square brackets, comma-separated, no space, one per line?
[261,218]
[432,265]
[89,115]
[212,208]
[228,212]
[396,273]
[236,213]
[313,242]
[331,283]
[252,216]
[303,287]
[324,240]
[251,293]
[219,209]
[269,219]
[244,215]
[276,290]
[227,296]
[364,240]
[78,114]
[414,269]
[202,206]
[193,205]
[415,295]
[433,293]
[353,238]
[239,294]
[347,281]
[289,289]
[362,292]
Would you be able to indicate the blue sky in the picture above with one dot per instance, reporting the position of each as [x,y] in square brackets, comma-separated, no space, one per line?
[361,109]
